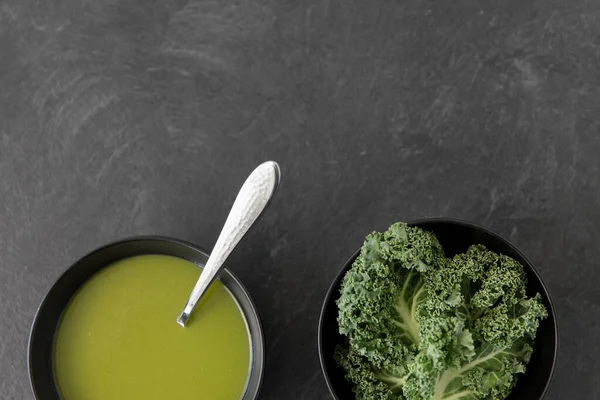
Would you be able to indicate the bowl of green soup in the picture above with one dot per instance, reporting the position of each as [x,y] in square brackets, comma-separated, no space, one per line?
[107,329]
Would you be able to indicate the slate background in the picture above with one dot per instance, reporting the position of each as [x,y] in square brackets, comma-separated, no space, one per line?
[144,117]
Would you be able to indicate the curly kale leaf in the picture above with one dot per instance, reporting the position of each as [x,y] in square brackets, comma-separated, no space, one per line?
[421,326]
[500,311]
[489,375]
[381,293]
[370,383]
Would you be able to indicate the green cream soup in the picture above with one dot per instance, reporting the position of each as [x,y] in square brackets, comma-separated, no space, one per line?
[119,339]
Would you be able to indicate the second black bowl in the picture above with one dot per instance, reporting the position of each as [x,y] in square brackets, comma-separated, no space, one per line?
[455,237]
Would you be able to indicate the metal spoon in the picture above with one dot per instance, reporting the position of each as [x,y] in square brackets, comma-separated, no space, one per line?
[251,201]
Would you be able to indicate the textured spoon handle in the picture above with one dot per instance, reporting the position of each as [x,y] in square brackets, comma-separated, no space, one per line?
[251,201]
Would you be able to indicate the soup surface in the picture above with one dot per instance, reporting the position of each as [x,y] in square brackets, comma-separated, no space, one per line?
[119,339]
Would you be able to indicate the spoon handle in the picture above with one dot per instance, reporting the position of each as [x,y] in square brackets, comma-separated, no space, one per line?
[251,201]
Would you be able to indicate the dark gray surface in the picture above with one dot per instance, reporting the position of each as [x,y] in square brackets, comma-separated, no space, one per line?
[129,117]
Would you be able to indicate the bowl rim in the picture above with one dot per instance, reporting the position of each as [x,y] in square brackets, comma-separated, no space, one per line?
[444,220]
[250,313]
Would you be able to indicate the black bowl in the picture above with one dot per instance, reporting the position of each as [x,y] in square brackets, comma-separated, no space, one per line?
[41,340]
[455,237]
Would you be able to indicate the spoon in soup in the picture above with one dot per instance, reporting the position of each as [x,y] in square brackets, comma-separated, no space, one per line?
[253,198]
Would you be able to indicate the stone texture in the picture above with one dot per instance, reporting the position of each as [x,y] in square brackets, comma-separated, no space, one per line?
[128,117]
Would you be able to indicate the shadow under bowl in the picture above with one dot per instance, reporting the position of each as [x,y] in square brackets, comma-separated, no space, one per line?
[41,339]
[455,236]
